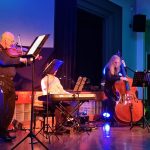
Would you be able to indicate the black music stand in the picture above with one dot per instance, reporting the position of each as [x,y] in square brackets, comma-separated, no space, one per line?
[80,84]
[77,89]
[33,51]
[140,80]
[51,68]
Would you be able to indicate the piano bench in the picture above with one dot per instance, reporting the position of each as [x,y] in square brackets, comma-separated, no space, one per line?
[42,112]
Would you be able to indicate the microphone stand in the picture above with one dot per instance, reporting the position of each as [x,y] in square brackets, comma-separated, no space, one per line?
[31,134]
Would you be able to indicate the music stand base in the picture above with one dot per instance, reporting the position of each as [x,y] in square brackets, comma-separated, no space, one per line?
[144,124]
[31,135]
[48,134]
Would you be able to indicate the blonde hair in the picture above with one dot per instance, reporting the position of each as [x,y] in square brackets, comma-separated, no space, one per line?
[112,67]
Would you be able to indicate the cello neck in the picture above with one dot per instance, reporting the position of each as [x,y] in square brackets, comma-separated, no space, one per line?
[124,75]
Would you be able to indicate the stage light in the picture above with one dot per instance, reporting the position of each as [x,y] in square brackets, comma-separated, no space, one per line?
[106,115]
[84,112]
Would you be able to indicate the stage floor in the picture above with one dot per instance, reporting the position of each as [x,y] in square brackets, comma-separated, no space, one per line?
[117,138]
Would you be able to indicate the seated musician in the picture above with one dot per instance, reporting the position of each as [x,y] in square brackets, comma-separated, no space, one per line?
[51,84]
[111,75]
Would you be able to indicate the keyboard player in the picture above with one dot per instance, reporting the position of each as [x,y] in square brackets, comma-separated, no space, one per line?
[51,84]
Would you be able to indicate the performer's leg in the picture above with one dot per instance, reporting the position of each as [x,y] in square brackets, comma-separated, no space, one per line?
[11,98]
[7,106]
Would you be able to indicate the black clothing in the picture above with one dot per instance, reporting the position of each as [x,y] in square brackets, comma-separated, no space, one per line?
[6,60]
[109,85]
[7,91]
[109,104]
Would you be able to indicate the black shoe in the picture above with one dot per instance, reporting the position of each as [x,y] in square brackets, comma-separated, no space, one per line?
[6,138]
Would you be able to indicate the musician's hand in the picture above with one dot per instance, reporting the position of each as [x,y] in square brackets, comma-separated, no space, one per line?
[123,62]
[124,78]
[38,57]
[23,60]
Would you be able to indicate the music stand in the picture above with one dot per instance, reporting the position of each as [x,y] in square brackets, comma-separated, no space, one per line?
[53,66]
[80,84]
[33,51]
[140,80]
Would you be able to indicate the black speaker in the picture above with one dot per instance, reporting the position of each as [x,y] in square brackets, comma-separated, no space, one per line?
[139,23]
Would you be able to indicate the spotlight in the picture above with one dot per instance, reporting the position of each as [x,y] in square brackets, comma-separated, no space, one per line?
[106,115]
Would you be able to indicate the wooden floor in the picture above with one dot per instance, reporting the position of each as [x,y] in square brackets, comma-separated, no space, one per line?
[117,138]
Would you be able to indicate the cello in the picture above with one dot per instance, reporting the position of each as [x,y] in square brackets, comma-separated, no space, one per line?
[129,108]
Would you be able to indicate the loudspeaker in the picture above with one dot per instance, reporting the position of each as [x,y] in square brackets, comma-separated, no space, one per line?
[139,23]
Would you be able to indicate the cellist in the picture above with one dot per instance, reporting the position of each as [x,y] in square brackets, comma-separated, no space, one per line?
[112,73]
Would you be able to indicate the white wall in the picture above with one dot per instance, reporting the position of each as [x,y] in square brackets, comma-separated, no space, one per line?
[128,36]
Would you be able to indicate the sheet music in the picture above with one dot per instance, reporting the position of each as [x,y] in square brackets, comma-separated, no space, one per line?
[35,45]
[53,66]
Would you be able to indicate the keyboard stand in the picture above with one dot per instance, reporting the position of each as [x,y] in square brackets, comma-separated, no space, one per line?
[70,116]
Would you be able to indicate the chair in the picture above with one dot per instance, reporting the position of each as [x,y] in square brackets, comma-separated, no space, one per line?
[40,110]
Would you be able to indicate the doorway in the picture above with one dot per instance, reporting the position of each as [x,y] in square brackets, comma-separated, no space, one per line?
[89,50]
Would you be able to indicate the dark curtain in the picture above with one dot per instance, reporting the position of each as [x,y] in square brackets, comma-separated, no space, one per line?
[65,37]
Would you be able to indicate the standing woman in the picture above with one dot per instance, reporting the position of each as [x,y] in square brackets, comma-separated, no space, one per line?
[112,73]
[7,100]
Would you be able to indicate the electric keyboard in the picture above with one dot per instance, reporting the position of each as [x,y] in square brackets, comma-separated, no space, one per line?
[68,97]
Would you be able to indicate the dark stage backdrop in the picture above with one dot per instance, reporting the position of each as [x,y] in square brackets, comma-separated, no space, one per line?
[89,50]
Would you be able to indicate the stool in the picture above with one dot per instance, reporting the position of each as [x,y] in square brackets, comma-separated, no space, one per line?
[42,112]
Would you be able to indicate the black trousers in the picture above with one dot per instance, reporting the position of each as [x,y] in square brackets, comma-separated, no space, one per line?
[109,104]
[7,102]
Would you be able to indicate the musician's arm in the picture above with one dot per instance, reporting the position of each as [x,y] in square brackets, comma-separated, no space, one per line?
[43,87]
[61,89]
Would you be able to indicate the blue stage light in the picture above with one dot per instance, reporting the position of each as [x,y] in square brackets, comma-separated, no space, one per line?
[106,115]
[84,112]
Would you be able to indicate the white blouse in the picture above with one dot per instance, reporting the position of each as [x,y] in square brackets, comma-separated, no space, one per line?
[51,84]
